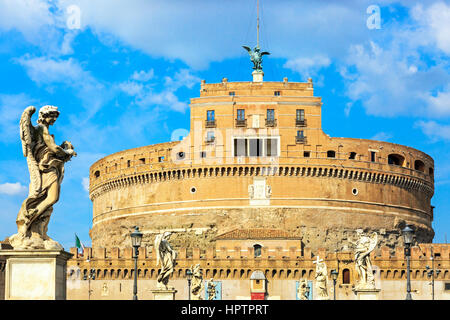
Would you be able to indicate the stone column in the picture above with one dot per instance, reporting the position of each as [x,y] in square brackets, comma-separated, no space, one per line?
[35,274]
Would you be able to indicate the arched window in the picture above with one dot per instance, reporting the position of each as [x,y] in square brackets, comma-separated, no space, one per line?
[346,276]
[396,159]
[419,165]
[257,250]
[97,174]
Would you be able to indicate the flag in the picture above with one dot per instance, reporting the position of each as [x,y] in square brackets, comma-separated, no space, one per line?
[79,244]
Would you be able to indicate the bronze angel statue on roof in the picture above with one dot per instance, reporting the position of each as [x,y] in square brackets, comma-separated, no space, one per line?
[45,161]
[256,57]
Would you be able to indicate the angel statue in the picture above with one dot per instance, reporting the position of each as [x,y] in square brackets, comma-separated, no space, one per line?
[256,57]
[197,283]
[211,289]
[363,247]
[45,161]
[321,280]
[166,256]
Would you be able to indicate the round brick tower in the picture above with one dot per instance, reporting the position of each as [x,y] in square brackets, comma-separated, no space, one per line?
[256,157]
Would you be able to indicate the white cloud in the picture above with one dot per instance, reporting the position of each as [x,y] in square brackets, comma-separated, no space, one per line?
[47,71]
[143,75]
[308,66]
[27,16]
[145,95]
[13,189]
[434,130]
[85,183]
[435,20]
[382,136]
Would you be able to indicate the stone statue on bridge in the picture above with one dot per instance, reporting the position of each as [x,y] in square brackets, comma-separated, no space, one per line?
[45,160]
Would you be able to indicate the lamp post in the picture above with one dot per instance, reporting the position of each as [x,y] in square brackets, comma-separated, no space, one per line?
[308,290]
[431,273]
[136,238]
[408,235]
[189,278]
[88,277]
[334,275]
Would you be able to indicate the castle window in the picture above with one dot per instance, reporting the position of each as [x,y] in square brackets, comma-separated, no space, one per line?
[431,171]
[160,159]
[255,147]
[300,120]
[396,159]
[352,156]
[331,154]
[277,93]
[142,160]
[97,174]
[129,163]
[257,250]
[306,154]
[372,156]
[300,138]
[232,93]
[240,147]
[271,147]
[210,115]
[210,119]
[345,276]
[419,165]
[202,154]
[270,114]
[241,114]
[447,286]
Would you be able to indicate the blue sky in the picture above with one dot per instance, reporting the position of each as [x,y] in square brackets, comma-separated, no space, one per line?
[122,73]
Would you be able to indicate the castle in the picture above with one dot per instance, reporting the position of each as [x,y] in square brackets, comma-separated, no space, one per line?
[255,194]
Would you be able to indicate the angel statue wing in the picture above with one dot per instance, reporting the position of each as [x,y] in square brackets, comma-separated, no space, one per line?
[27,134]
[264,52]
[247,48]
[373,242]
[157,243]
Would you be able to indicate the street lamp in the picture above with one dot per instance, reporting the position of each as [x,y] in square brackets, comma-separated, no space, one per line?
[89,277]
[136,238]
[334,275]
[408,235]
[189,278]
[432,273]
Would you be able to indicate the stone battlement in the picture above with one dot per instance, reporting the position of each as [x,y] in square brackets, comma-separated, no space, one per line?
[276,263]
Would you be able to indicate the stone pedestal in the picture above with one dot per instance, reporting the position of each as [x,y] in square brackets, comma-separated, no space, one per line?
[162,294]
[367,294]
[258,76]
[35,274]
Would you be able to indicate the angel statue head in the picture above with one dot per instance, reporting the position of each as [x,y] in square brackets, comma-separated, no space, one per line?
[48,115]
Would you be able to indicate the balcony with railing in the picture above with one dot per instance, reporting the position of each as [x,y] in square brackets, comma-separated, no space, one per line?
[300,122]
[271,122]
[210,123]
[210,139]
[300,139]
[241,122]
